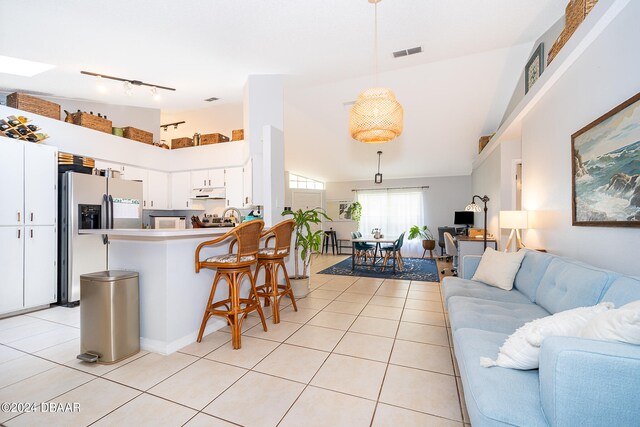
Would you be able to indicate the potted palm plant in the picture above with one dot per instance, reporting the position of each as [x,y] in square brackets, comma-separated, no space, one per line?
[306,243]
[428,243]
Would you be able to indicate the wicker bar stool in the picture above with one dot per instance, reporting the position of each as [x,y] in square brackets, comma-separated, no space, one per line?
[233,267]
[272,260]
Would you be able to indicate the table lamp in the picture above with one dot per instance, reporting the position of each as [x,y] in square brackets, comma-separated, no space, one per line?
[514,220]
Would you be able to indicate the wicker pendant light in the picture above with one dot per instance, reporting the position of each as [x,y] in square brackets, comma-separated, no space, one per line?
[377,116]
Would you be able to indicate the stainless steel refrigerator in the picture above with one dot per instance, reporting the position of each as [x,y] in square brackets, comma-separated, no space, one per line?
[91,202]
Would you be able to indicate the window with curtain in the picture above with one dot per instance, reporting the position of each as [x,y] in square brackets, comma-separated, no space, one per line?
[393,211]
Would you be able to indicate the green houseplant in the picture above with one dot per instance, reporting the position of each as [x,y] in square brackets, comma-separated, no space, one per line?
[428,243]
[305,244]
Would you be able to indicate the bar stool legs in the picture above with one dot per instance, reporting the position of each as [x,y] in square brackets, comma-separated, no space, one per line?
[271,291]
[233,311]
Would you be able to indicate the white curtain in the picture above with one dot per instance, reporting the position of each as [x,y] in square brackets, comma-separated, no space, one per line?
[393,212]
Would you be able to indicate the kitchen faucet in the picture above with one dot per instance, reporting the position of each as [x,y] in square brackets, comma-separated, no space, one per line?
[236,210]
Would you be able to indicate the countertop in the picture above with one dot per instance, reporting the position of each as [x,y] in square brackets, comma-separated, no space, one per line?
[155,234]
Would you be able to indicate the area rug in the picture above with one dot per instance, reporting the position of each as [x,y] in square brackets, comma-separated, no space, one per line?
[424,270]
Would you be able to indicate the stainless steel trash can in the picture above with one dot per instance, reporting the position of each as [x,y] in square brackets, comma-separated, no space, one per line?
[109,316]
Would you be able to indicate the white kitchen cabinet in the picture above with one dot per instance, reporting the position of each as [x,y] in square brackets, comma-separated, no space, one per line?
[180,190]
[11,265]
[133,173]
[101,164]
[157,188]
[40,181]
[247,185]
[216,177]
[207,178]
[40,257]
[11,177]
[199,179]
[233,184]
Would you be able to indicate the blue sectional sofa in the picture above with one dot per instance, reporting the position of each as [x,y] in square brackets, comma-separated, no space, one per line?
[580,382]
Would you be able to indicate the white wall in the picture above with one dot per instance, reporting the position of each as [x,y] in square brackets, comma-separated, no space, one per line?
[213,119]
[487,181]
[121,115]
[603,77]
[444,196]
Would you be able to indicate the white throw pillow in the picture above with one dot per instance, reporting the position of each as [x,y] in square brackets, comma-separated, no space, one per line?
[522,349]
[498,269]
[621,325]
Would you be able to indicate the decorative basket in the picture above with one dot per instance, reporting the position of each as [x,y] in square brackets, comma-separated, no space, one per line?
[92,122]
[33,105]
[575,12]
[138,135]
[237,135]
[213,138]
[484,140]
[181,143]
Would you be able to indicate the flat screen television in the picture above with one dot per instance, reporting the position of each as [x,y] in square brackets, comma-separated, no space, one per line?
[463,218]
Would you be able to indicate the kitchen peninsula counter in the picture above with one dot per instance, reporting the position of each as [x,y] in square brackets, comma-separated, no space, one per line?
[172,295]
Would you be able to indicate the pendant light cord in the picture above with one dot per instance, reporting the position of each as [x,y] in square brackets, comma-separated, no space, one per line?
[379,153]
[375,41]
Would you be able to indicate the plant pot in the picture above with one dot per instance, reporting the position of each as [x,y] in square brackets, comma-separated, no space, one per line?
[300,287]
[428,245]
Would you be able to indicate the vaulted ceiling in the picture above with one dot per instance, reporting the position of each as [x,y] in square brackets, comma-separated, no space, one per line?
[457,89]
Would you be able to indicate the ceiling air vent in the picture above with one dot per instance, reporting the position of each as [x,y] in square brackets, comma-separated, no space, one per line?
[213,98]
[406,52]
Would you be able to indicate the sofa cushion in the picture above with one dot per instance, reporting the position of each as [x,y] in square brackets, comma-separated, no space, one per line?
[495,316]
[496,396]
[531,270]
[566,285]
[452,286]
[623,290]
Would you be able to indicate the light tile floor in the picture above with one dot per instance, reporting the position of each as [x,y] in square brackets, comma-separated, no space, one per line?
[359,352]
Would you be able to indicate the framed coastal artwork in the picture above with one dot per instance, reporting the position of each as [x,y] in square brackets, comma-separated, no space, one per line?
[606,169]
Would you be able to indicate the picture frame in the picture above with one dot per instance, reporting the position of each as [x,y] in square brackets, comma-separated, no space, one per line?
[534,68]
[605,169]
[338,210]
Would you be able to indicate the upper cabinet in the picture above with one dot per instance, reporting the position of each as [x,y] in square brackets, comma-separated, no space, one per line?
[28,172]
[207,178]
[247,185]
[157,188]
[181,190]
[234,187]
[40,181]
[12,176]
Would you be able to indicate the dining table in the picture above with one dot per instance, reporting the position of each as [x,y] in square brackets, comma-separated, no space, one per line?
[377,241]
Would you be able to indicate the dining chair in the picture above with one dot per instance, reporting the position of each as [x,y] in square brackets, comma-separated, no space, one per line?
[233,267]
[389,250]
[363,250]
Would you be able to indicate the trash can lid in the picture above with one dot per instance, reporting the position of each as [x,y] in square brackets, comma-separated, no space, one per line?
[109,275]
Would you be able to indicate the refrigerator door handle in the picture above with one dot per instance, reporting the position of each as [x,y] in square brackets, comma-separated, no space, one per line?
[110,212]
[105,217]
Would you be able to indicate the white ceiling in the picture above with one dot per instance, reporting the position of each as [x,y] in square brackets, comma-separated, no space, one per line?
[453,92]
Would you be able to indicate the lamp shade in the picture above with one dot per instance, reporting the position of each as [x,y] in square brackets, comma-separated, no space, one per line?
[514,219]
[376,117]
[472,207]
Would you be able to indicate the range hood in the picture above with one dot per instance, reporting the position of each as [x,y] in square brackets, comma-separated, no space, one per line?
[208,193]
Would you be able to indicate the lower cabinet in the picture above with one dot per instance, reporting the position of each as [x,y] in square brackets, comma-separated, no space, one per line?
[28,264]
[11,265]
[39,266]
